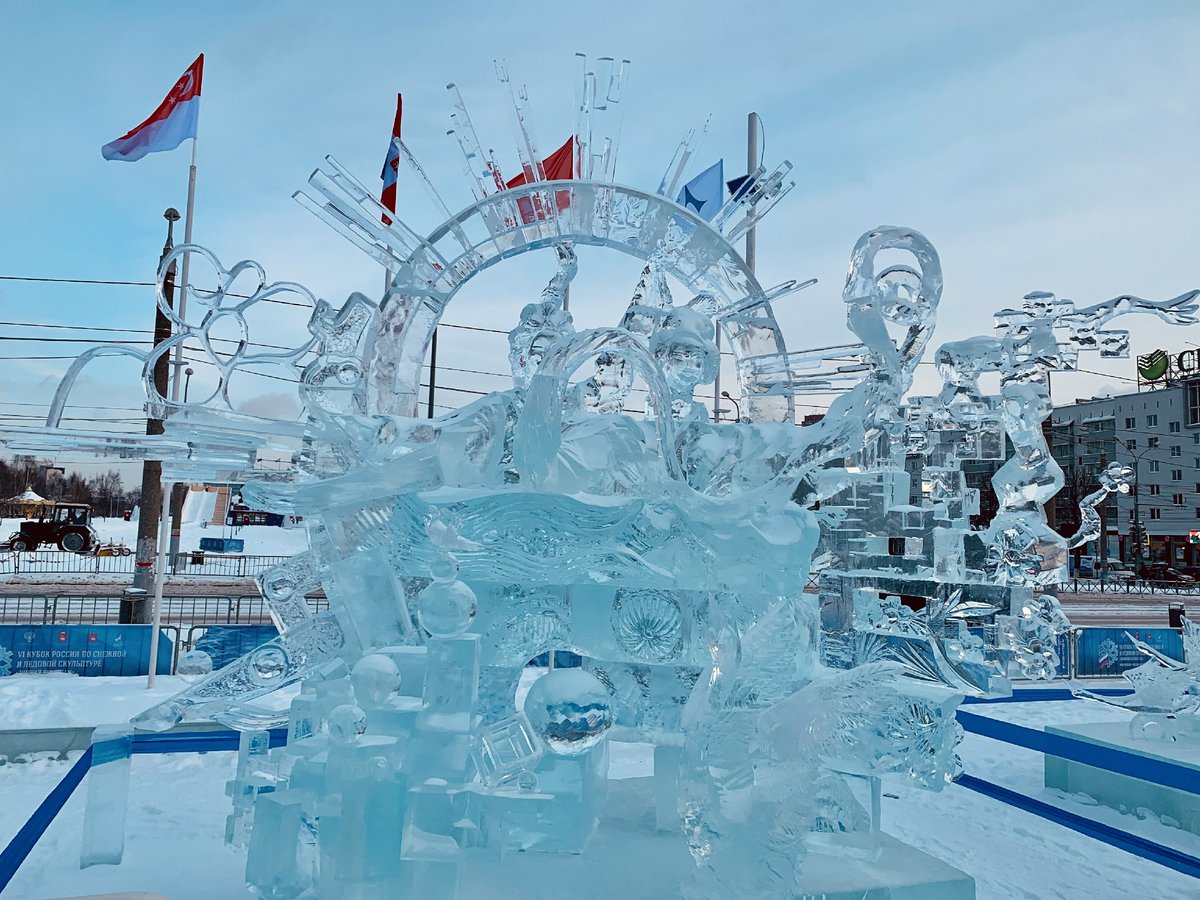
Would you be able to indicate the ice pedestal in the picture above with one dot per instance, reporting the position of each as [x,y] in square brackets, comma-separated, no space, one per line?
[896,872]
[282,856]
[1123,792]
[107,797]
[630,857]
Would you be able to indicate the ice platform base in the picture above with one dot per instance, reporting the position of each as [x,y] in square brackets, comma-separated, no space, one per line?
[653,863]
[901,872]
[1123,792]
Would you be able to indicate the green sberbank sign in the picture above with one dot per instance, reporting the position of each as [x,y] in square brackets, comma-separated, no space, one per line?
[1158,365]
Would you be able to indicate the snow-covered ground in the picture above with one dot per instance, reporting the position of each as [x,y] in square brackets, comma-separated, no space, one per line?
[261,540]
[53,568]
[62,700]
[177,811]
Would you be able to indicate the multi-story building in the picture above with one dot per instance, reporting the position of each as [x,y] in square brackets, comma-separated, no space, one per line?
[1157,433]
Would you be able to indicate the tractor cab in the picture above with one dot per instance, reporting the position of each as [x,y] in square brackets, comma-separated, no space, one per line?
[65,525]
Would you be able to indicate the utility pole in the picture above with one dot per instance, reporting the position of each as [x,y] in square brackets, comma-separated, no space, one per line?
[1103,510]
[753,125]
[1137,517]
[136,611]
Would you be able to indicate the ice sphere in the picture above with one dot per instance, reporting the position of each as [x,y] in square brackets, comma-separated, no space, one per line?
[194,664]
[375,678]
[446,609]
[268,664]
[346,723]
[570,710]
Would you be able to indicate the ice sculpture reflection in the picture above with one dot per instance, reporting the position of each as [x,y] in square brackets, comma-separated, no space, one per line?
[671,552]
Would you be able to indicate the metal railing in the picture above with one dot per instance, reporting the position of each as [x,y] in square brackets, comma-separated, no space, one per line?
[179,612]
[59,562]
[1096,586]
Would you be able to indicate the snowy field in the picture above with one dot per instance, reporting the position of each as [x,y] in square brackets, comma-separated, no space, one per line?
[177,814]
[261,540]
[51,568]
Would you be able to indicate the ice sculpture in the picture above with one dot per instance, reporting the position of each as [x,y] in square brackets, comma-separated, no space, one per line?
[671,552]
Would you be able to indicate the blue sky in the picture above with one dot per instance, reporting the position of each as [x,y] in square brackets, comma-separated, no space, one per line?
[1040,146]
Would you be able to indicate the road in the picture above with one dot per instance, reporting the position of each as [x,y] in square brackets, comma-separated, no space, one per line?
[1144,610]
[98,586]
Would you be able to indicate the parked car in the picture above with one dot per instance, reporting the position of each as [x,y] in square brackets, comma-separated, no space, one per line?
[1114,571]
[1164,574]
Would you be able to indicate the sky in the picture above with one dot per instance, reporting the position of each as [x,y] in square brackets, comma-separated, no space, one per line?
[1039,146]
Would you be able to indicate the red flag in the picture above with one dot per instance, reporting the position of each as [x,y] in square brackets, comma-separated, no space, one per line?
[391,165]
[175,120]
[558,166]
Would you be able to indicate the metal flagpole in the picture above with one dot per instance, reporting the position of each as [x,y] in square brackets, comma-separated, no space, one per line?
[752,128]
[432,373]
[183,287]
[717,383]
[160,566]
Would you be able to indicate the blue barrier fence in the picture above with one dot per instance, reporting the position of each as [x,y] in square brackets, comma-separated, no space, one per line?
[1033,695]
[225,643]
[1114,837]
[23,842]
[1122,762]
[81,649]
[1108,651]
[1158,771]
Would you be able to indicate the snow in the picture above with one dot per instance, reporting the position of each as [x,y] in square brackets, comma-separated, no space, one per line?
[177,812]
[261,540]
[62,700]
[54,570]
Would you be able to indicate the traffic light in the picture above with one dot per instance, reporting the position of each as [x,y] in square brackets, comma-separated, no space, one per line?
[1141,537]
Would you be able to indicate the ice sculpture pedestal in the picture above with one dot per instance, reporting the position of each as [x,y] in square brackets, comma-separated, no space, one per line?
[1123,792]
[900,872]
[655,863]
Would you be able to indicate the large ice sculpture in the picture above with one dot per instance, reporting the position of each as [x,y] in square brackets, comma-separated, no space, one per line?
[671,552]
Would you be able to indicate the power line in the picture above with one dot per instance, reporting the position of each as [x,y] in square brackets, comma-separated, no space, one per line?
[75,327]
[76,281]
[129,342]
[74,405]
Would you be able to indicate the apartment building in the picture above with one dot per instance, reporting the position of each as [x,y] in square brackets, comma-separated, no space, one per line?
[1156,432]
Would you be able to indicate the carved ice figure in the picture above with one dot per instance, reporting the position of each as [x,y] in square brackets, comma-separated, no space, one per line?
[669,551]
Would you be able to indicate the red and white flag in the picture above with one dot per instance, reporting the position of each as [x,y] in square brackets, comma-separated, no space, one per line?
[391,165]
[170,125]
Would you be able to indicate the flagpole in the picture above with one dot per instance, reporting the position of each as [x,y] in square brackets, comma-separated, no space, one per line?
[183,288]
[160,570]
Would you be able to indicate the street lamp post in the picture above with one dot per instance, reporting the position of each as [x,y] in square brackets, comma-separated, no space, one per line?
[187,381]
[1137,516]
[736,405]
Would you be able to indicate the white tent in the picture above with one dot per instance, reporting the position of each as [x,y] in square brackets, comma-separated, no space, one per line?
[27,496]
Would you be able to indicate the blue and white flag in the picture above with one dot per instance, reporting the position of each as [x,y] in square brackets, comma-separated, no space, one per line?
[705,193]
